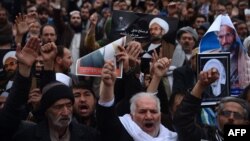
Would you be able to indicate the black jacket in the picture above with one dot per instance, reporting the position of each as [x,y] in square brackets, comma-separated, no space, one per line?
[185,125]
[10,119]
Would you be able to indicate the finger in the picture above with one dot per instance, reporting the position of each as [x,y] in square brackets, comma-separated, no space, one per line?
[161,53]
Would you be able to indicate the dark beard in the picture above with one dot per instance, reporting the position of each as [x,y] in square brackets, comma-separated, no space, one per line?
[77,29]
[155,38]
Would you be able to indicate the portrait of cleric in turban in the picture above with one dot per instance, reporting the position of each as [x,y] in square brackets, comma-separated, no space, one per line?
[219,88]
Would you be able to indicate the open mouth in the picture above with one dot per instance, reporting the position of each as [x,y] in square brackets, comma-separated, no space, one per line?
[149,125]
[83,108]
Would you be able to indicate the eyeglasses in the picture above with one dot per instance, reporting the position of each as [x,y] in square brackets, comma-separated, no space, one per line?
[236,115]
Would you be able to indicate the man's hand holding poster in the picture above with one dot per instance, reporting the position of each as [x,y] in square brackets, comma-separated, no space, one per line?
[91,64]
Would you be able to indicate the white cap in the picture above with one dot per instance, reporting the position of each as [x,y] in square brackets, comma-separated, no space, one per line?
[162,23]
[10,54]
[247,11]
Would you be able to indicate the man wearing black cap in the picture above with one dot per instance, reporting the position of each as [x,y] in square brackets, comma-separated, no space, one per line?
[56,105]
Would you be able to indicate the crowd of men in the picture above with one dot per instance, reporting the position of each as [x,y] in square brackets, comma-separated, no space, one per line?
[160,93]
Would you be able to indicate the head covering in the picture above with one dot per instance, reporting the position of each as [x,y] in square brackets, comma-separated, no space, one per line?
[187,29]
[162,23]
[10,54]
[216,86]
[74,12]
[53,92]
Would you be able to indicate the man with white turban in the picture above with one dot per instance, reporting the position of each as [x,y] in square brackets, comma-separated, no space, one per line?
[158,27]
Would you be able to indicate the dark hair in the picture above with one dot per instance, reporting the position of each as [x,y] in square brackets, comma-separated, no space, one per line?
[41,29]
[42,9]
[84,85]
[60,51]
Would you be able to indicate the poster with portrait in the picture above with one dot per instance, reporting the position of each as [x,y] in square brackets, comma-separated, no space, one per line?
[222,37]
[221,87]
[92,63]
[137,26]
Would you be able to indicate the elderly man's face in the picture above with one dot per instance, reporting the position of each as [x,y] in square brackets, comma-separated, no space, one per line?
[60,113]
[10,65]
[232,113]
[226,37]
[147,116]
[155,31]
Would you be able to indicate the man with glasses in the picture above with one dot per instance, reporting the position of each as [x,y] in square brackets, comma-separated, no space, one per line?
[230,110]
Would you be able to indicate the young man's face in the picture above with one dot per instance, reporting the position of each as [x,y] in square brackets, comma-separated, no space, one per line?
[48,34]
[84,102]
[226,37]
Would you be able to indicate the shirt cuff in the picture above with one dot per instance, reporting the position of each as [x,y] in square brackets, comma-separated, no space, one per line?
[107,104]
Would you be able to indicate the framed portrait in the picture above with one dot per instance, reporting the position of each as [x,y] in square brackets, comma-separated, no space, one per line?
[221,87]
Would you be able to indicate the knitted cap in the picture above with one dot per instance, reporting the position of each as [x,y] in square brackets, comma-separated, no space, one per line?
[53,92]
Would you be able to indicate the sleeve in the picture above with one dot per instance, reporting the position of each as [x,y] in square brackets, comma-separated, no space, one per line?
[185,117]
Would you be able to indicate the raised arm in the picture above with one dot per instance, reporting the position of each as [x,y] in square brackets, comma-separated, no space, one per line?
[185,116]
[158,70]
[107,83]
[10,114]
[90,41]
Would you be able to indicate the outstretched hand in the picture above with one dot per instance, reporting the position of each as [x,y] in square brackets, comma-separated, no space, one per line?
[28,54]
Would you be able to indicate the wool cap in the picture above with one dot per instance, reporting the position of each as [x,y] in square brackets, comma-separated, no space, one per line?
[162,23]
[53,92]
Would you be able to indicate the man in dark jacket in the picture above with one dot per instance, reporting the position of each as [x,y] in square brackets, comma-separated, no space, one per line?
[56,105]
[231,110]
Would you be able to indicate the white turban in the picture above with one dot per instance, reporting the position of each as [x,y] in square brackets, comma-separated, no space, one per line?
[10,54]
[162,23]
